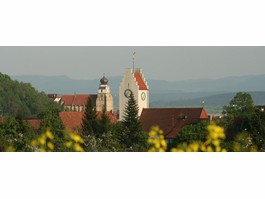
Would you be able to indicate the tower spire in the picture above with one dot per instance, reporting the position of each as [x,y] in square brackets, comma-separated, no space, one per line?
[133,59]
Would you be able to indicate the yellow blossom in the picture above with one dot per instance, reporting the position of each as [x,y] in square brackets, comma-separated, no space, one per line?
[50,145]
[41,140]
[68,144]
[76,138]
[78,148]
[49,134]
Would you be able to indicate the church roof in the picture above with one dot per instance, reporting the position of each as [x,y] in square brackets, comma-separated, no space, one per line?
[73,119]
[77,100]
[171,120]
[142,85]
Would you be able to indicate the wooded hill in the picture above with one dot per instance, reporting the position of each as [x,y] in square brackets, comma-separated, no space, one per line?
[18,99]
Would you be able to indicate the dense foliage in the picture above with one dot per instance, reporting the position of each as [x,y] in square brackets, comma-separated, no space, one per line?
[21,99]
[133,136]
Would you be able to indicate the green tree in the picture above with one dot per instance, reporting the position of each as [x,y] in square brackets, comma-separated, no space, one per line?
[50,120]
[133,136]
[18,98]
[104,123]
[90,121]
[238,115]
[17,134]
[242,117]
[191,133]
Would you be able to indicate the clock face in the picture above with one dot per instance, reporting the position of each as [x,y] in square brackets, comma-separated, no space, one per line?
[127,93]
[143,96]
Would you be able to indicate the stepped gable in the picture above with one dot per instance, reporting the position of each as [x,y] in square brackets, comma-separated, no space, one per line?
[171,120]
[142,85]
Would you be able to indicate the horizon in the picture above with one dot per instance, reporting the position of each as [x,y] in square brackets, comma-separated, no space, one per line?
[114,76]
[169,63]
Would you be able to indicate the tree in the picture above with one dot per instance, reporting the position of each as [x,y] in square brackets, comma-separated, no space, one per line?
[89,120]
[238,115]
[191,133]
[243,118]
[16,134]
[18,98]
[241,105]
[51,121]
[133,136]
[104,123]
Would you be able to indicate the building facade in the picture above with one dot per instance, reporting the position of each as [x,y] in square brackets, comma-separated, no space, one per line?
[104,97]
[133,82]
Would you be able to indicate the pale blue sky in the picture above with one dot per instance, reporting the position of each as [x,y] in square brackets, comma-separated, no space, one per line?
[168,63]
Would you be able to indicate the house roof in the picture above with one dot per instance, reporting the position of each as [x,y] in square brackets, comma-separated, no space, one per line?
[73,119]
[171,120]
[53,96]
[77,100]
[142,85]
[35,123]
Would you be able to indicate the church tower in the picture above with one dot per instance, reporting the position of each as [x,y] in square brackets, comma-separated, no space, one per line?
[104,98]
[133,81]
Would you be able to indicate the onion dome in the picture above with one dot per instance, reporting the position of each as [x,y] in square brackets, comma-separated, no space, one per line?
[104,80]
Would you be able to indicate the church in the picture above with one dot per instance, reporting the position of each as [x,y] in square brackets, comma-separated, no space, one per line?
[103,99]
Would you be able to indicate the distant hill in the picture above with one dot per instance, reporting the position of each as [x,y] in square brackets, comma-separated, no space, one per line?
[63,84]
[213,103]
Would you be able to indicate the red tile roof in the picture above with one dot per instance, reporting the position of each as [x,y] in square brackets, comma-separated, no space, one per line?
[171,120]
[140,81]
[73,120]
[77,100]
[35,123]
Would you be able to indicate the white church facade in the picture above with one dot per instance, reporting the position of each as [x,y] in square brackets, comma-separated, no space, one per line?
[135,82]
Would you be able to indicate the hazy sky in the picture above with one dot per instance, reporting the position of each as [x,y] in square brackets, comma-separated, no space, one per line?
[168,63]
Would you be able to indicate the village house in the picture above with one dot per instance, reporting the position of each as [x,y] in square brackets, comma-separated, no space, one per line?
[171,120]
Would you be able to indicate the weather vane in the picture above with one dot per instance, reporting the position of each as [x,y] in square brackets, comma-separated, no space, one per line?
[133,59]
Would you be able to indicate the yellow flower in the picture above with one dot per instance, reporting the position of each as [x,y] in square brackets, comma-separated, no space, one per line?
[152,133]
[216,142]
[157,145]
[76,138]
[41,140]
[164,144]
[194,146]
[152,150]
[78,148]
[42,150]
[209,149]
[50,145]
[218,149]
[49,134]
[68,144]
